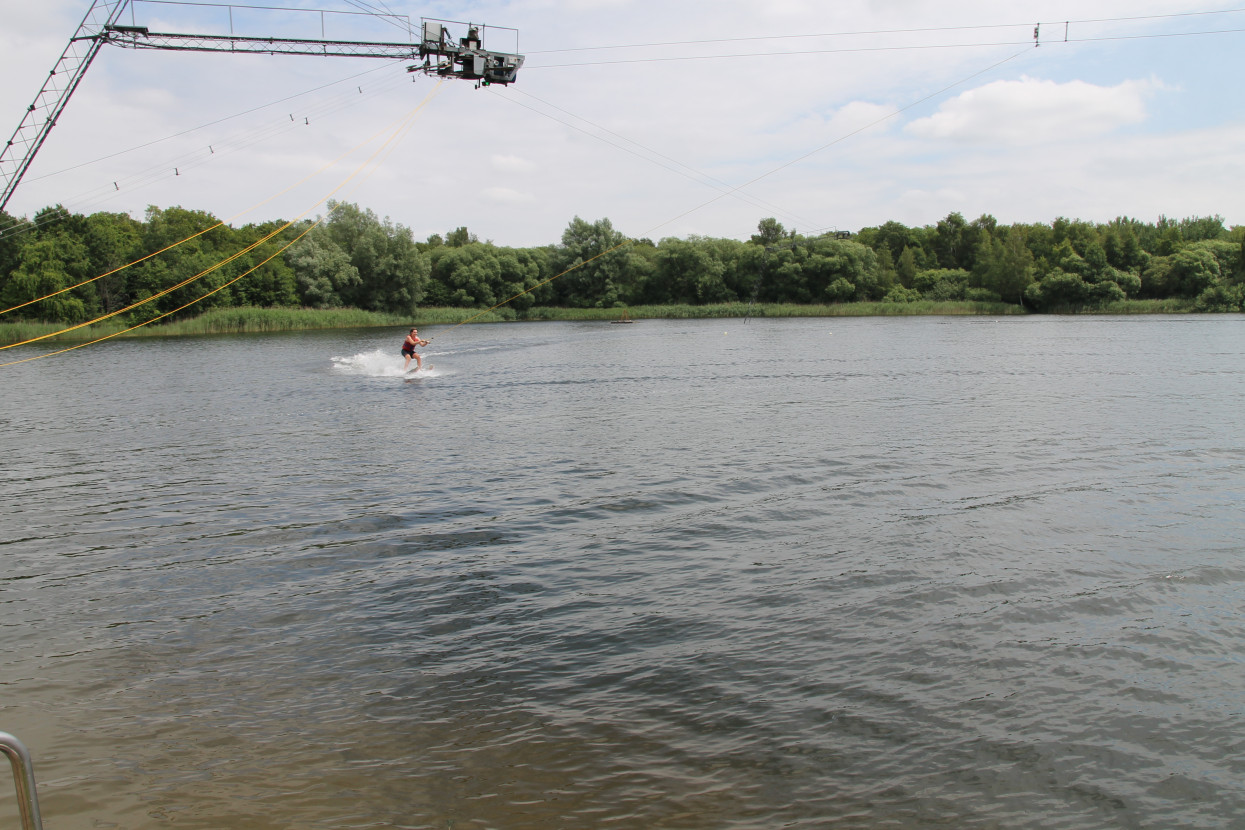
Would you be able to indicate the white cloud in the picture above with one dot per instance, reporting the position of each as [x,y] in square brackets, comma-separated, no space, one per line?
[1082,141]
[1031,111]
[856,117]
[506,196]
[512,164]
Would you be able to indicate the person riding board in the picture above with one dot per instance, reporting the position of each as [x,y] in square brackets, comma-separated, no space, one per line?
[408,348]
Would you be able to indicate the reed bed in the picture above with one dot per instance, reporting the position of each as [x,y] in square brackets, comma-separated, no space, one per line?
[241,320]
[246,320]
[1171,305]
[22,331]
[736,310]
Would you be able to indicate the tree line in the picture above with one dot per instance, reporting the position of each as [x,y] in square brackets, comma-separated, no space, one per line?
[354,259]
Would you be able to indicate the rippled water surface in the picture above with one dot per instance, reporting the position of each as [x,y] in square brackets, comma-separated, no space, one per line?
[871,573]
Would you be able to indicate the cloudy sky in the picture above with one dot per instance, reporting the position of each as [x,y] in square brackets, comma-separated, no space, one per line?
[668,119]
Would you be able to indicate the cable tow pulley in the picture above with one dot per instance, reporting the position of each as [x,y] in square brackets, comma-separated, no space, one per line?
[465,59]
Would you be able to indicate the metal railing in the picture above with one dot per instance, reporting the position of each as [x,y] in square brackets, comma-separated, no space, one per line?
[24,777]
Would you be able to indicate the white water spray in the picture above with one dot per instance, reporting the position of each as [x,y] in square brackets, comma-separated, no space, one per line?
[380,364]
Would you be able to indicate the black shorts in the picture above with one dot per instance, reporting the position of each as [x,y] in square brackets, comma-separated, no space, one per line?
[408,350]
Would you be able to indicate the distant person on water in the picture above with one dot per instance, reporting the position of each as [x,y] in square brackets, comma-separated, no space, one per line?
[408,348]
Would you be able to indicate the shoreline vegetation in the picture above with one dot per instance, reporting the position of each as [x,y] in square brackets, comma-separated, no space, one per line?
[254,320]
[184,272]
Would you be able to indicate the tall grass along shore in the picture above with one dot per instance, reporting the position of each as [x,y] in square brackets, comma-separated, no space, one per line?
[243,320]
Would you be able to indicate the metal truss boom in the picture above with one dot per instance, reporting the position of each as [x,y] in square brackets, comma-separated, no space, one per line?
[132,37]
[464,59]
[60,84]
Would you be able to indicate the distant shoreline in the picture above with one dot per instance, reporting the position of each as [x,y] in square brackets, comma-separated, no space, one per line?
[242,320]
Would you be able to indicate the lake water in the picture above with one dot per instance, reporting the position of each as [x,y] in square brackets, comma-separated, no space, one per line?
[848,573]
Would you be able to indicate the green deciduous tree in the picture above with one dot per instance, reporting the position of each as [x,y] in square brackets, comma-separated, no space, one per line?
[271,280]
[198,246]
[899,294]
[1007,266]
[356,259]
[46,265]
[113,241]
[13,232]
[949,241]
[840,291]
[833,259]
[1192,271]
[601,276]
[769,232]
[907,268]
[692,271]
[392,271]
[1221,298]
[942,283]
[1201,228]
[1058,290]
[324,275]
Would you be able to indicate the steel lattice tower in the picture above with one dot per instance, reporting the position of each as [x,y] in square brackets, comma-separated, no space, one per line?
[41,116]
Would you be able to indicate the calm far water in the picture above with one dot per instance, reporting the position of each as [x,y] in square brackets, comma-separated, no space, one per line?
[836,573]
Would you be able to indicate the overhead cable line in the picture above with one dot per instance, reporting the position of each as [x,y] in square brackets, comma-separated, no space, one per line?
[203,126]
[253,7]
[748,183]
[791,53]
[399,133]
[198,234]
[849,134]
[330,164]
[383,13]
[246,273]
[155,296]
[861,49]
[753,181]
[1152,36]
[686,171]
[365,10]
[211,151]
[919,30]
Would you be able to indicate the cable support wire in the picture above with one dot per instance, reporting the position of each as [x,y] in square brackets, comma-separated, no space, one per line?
[248,272]
[230,220]
[401,21]
[399,131]
[574,267]
[239,142]
[921,30]
[748,183]
[213,149]
[108,190]
[384,13]
[854,132]
[88,201]
[159,172]
[256,7]
[687,171]
[204,126]
[902,48]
